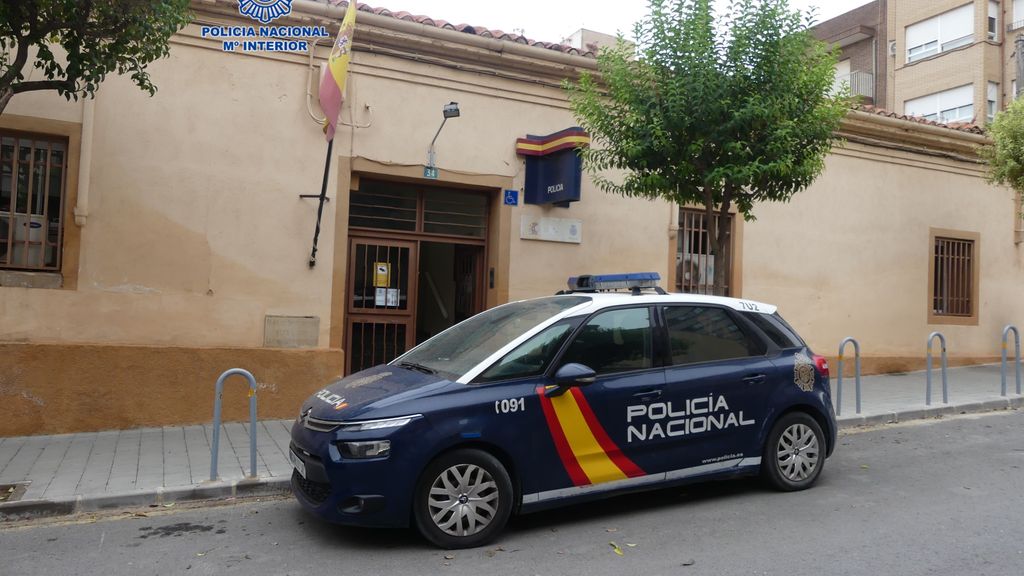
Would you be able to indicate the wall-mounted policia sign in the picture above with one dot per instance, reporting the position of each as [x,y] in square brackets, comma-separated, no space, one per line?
[554,170]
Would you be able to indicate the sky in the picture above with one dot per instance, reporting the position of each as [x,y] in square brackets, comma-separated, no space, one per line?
[553,20]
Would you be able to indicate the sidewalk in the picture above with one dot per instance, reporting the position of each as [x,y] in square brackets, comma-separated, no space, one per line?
[71,473]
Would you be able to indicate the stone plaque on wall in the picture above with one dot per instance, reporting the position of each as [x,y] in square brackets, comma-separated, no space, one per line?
[291,331]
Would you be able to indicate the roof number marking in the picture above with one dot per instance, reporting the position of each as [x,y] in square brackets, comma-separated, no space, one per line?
[749,306]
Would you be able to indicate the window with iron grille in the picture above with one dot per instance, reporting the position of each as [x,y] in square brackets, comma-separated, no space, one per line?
[953,278]
[33,175]
[695,254]
[403,207]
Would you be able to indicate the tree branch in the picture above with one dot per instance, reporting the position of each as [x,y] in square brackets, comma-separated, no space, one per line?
[43,85]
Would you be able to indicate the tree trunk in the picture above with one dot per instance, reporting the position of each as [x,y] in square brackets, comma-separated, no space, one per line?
[721,236]
[711,225]
[5,96]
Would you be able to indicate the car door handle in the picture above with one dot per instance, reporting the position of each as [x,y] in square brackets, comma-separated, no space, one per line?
[648,395]
[755,379]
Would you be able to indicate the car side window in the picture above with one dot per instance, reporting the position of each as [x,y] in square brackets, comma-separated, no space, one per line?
[776,329]
[532,357]
[614,341]
[706,334]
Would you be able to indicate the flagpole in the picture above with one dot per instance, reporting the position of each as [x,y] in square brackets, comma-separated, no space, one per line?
[323,198]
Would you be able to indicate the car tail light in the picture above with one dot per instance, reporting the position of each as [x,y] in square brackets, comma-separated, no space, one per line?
[821,363]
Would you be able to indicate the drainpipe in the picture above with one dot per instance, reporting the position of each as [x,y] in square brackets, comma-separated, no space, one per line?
[85,161]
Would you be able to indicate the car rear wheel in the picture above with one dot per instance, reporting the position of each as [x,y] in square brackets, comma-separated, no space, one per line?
[463,499]
[795,452]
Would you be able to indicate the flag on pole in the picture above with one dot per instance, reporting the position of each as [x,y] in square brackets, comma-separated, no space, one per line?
[332,84]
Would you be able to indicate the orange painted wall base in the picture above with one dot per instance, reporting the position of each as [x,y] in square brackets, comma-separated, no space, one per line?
[60,388]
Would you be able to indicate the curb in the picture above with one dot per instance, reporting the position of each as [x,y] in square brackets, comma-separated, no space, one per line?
[246,487]
[927,412]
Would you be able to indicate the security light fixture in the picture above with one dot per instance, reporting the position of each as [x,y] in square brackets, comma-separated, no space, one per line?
[450,110]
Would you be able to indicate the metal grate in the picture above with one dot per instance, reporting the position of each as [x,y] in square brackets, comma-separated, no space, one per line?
[695,257]
[394,206]
[32,190]
[389,292]
[374,343]
[316,492]
[455,213]
[953,280]
[319,425]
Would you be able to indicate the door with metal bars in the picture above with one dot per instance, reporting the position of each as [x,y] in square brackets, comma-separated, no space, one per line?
[382,301]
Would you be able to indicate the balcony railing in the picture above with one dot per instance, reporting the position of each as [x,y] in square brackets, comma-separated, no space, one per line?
[861,83]
[1014,25]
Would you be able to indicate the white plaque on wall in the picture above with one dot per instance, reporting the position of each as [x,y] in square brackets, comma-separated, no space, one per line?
[551,229]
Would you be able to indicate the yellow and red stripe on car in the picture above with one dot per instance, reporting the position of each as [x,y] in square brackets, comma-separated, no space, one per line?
[589,455]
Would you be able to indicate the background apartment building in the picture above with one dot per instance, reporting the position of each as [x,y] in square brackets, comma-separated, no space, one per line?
[944,60]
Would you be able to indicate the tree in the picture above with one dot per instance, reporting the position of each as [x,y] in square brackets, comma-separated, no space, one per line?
[95,37]
[1005,156]
[718,116]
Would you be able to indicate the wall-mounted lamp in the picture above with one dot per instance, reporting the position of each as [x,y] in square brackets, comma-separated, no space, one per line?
[450,110]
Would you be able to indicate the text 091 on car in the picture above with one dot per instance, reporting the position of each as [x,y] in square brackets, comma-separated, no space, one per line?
[563,399]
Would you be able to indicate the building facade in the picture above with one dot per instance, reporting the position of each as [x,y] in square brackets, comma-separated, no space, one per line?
[860,36]
[949,61]
[154,242]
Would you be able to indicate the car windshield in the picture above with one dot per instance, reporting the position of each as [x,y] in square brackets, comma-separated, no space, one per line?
[455,351]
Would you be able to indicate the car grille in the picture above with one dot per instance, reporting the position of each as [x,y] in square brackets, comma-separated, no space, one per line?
[318,425]
[316,492]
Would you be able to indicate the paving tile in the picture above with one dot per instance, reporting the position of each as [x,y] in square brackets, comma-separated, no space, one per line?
[275,454]
[46,465]
[19,466]
[176,466]
[237,435]
[198,445]
[71,468]
[151,458]
[8,448]
[124,470]
[97,470]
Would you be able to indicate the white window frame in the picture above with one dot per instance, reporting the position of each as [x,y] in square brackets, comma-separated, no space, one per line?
[992,100]
[993,21]
[940,41]
[952,105]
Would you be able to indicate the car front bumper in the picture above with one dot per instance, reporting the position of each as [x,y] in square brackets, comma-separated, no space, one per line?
[366,492]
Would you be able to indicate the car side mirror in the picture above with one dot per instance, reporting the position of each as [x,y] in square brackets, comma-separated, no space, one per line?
[570,375]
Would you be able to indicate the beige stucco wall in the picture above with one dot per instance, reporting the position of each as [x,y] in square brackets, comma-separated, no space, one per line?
[195,228]
[849,255]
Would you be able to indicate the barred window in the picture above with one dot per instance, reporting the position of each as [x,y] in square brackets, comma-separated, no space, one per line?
[695,254]
[33,175]
[953,290]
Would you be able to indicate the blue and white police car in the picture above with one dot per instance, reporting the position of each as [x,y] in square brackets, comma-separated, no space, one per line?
[563,399]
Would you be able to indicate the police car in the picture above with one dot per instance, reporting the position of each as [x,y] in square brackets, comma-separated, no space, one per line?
[558,400]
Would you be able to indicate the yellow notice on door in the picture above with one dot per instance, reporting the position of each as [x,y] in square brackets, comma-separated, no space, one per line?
[381,274]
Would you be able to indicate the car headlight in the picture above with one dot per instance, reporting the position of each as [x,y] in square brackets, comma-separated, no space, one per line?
[379,424]
[365,449]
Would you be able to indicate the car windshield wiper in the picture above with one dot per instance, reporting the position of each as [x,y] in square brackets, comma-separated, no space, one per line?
[417,367]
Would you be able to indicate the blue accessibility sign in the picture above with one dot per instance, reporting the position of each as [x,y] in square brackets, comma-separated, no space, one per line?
[512,197]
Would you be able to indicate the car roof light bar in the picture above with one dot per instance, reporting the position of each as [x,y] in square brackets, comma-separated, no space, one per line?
[599,282]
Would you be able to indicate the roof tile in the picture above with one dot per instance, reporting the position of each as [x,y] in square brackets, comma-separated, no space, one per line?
[466,28]
[960,126]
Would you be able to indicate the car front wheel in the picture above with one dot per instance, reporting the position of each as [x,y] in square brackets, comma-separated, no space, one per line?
[463,499]
[795,452]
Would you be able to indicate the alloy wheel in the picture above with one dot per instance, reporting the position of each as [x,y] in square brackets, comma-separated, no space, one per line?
[463,500]
[798,452]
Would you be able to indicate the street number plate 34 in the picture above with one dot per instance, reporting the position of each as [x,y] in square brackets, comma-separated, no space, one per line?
[297,463]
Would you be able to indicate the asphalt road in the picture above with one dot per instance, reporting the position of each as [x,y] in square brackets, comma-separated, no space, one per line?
[943,497]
